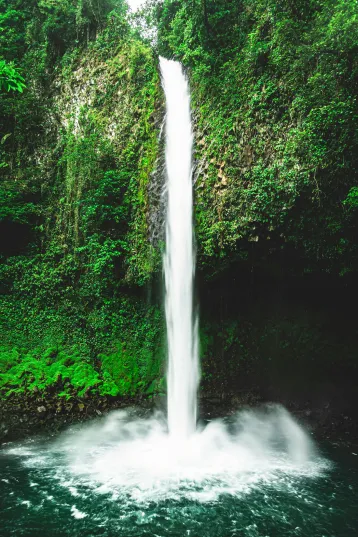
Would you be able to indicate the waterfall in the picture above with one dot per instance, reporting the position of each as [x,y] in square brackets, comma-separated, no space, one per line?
[179,258]
[135,457]
[128,460]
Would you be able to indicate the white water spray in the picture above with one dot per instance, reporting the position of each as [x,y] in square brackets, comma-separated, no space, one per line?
[179,259]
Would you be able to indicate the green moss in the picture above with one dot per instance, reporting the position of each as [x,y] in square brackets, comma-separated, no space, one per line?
[40,370]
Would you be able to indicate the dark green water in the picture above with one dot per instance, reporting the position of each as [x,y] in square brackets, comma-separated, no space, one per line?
[41,496]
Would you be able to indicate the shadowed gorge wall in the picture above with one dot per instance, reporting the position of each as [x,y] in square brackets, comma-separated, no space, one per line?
[274,101]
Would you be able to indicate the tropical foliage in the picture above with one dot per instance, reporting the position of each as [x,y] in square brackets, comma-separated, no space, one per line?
[274,97]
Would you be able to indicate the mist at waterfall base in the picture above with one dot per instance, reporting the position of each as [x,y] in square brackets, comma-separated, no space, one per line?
[255,474]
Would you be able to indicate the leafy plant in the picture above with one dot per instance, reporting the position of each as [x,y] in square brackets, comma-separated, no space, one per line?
[10,78]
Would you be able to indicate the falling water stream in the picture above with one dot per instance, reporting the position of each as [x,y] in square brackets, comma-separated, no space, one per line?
[179,259]
[257,474]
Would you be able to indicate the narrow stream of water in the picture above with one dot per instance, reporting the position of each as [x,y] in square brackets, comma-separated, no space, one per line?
[179,259]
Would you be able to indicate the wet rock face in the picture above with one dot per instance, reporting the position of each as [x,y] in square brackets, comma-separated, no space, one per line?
[21,418]
[25,416]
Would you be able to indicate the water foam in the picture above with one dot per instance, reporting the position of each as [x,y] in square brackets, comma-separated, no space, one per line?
[122,455]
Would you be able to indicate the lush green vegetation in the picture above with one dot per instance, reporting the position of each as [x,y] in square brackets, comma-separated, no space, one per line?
[275,93]
[274,87]
[10,78]
[78,149]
